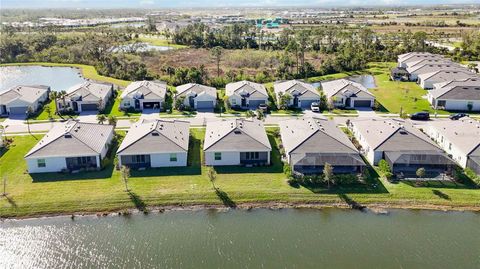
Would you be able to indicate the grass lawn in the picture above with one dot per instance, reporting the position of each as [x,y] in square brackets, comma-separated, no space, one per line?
[160,42]
[104,190]
[88,71]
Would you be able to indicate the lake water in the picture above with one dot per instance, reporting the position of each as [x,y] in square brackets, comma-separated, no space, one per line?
[144,47]
[58,78]
[368,81]
[260,238]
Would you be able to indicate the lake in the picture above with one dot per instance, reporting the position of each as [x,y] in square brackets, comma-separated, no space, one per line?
[142,48]
[58,78]
[368,81]
[287,238]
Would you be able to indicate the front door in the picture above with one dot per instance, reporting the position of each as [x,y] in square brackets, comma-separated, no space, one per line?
[295,101]
[244,102]
[137,104]
[191,101]
[75,106]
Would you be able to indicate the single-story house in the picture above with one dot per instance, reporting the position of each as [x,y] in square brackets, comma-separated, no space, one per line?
[236,142]
[17,100]
[155,143]
[419,69]
[197,96]
[348,94]
[302,94]
[404,147]
[406,58]
[246,94]
[456,95]
[460,139]
[141,95]
[309,143]
[88,96]
[427,80]
[399,73]
[70,146]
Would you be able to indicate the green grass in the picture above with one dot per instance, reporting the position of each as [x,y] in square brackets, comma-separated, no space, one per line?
[160,42]
[88,71]
[58,193]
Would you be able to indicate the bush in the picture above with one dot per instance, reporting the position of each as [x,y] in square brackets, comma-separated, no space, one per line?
[385,169]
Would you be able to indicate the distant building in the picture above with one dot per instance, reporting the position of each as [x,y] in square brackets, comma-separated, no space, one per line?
[16,101]
[348,94]
[141,95]
[427,80]
[456,95]
[88,96]
[302,94]
[197,96]
[246,94]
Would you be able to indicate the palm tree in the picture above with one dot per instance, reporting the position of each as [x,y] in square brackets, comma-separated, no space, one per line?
[112,120]
[125,172]
[53,98]
[250,114]
[217,55]
[212,176]
[101,118]
[328,174]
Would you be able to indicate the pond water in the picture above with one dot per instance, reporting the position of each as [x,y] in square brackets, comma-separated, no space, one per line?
[142,48]
[58,78]
[260,238]
[132,24]
[368,81]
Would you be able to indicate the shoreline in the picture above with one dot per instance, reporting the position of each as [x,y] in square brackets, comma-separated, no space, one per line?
[376,208]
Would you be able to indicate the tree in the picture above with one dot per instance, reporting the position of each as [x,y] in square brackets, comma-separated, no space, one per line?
[101,118]
[112,120]
[179,103]
[284,100]
[421,172]
[216,53]
[260,114]
[250,114]
[384,168]
[328,174]
[212,176]
[125,172]
[48,110]
[53,98]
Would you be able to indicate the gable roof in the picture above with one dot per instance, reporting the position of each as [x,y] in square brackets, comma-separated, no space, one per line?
[422,62]
[447,75]
[196,88]
[333,87]
[72,138]
[314,135]
[415,56]
[90,91]
[28,94]
[392,135]
[294,85]
[236,135]
[245,86]
[458,82]
[145,90]
[463,133]
[156,136]
[466,89]
[428,68]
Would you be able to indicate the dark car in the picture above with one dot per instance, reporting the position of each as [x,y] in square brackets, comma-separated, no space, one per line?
[263,107]
[420,116]
[458,116]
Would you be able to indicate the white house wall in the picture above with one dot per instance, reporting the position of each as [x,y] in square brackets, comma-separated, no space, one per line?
[448,146]
[228,158]
[163,160]
[52,164]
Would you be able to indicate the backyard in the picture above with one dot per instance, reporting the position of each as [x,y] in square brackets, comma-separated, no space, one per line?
[103,191]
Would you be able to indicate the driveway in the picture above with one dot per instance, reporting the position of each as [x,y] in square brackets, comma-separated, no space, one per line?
[366,112]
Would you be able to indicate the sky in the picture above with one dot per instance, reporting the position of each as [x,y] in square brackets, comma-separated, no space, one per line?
[214,3]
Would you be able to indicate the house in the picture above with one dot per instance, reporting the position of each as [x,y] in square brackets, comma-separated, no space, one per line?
[427,80]
[302,94]
[348,94]
[404,147]
[246,95]
[236,142]
[460,139]
[197,96]
[399,73]
[309,143]
[140,95]
[155,143]
[17,100]
[406,58]
[88,96]
[70,146]
[417,70]
[456,95]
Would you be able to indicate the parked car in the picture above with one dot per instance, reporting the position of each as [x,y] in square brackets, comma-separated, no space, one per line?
[420,116]
[263,107]
[458,116]
[315,107]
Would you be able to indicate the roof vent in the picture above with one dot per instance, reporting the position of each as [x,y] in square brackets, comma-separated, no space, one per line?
[155,134]
[67,135]
[237,132]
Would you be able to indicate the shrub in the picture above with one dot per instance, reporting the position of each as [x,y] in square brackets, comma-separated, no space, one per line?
[385,169]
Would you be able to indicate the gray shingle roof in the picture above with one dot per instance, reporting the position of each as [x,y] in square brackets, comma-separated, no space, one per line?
[331,88]
[156,136]
[245,87]
[466,89]
[463,133]
[145,89]
[428,68]
[72,139]
[90,91]
[236,135]
[416,56]
[447,75]
[196,88]
[29,94]
[294,85]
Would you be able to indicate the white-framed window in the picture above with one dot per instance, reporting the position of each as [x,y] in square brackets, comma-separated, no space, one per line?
[41,163]
[234,102]
[126,103]
[173,157]
[218,156]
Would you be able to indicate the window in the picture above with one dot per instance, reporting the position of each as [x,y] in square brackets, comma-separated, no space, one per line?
[138,158]
[41,163]
[234,102]
[126,104]
[252,155]
[173,157]
[441,103]
[218,156]
[450,146]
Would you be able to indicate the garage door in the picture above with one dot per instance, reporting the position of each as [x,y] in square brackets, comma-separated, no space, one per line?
[150,105]
[204,104]
[362,103]
[89,107]
[20,110]
[253,104]
[306,103]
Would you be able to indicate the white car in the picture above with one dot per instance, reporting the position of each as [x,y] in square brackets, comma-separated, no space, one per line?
[315,107]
